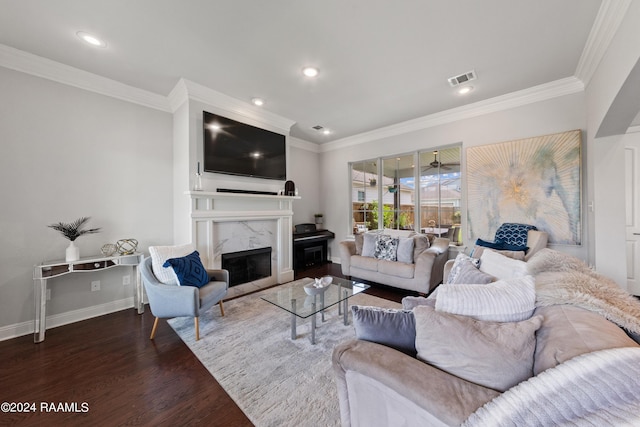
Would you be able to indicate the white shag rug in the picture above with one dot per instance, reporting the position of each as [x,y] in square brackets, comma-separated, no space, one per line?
[276,381]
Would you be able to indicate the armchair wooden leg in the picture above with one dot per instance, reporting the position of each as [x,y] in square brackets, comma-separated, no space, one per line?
[197,325]
[221,308]
[153,330]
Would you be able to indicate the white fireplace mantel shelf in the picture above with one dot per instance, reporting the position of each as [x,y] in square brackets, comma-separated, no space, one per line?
[218,195]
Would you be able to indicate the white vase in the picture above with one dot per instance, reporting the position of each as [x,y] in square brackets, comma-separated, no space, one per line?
[73,252]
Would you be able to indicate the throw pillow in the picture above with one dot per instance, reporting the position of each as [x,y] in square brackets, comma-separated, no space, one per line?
[500,266]
[369,244]
[499,245]
[160,254]
[420,244]
[457,265]
[359,239]
[509,300]
[386,248]
[519,255]
[514,234]
[492,354]
[470,274]
[393,328]
[189,270]
[405,250]
[409,303]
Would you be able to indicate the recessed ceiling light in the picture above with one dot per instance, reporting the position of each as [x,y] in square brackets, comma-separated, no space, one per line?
[465,89]
[258,101]
[326,132]
[310,71]
[91,39]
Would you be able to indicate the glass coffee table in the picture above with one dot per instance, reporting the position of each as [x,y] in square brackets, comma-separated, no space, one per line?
[295,300]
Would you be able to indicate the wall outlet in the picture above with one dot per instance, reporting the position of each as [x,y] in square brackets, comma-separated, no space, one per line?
[48,294]
[126,280]
[95,285]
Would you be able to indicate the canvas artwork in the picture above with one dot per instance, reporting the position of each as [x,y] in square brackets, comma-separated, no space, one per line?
[532,181]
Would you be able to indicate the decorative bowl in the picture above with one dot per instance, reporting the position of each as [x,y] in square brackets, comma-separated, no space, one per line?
[312,289]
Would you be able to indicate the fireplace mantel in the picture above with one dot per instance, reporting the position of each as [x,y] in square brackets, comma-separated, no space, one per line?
[210,210]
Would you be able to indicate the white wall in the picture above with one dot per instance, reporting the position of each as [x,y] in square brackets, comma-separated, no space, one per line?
[305,173]
[542,118]
[69,153]
[606,158]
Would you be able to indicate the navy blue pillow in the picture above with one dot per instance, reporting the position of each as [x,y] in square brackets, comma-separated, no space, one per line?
[499,245]
[189,270]
[513,233]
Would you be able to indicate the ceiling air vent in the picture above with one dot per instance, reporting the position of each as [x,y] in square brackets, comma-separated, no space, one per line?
[462,78]
[317,127]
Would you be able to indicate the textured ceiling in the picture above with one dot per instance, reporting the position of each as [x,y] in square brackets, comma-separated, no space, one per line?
[380,62]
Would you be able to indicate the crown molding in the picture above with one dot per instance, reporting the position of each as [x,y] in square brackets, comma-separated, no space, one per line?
[604,28]
[38,66]
[304,145]
[633,129]
[186,89]
[531,95]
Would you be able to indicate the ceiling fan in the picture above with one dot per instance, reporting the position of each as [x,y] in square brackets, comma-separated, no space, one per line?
[437,164]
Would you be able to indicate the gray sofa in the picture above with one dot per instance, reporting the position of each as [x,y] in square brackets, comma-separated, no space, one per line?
[582,365]
[421,275]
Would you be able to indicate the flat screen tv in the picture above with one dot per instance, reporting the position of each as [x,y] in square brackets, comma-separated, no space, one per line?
[235,148]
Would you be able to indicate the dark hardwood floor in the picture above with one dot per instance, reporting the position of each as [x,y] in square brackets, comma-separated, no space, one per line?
[125,378]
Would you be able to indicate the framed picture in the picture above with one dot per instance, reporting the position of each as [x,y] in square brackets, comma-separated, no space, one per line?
[531,181]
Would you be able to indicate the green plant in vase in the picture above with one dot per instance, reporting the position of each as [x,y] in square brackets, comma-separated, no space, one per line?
[72,231]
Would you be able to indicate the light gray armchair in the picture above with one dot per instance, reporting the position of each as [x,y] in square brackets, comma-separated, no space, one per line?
[168,301]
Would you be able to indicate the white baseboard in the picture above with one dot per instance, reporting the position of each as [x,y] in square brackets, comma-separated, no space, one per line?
[25,328]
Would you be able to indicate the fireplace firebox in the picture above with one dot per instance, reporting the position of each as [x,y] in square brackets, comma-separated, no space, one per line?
[247,266]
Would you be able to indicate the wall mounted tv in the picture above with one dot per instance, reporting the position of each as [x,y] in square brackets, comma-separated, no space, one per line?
[235,148]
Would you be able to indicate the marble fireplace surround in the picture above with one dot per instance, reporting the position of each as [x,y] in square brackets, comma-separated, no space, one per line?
[231,222]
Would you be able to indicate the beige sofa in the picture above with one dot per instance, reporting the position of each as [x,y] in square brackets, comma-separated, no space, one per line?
[584,367]
[421,275]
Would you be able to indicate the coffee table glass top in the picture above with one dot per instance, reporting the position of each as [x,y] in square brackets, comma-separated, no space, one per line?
[295,300]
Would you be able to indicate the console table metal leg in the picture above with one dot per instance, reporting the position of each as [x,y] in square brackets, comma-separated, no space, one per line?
[293,319]
[138,293]
[40,324]
[313,323]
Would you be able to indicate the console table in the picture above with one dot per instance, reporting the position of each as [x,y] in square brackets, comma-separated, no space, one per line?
[49,270]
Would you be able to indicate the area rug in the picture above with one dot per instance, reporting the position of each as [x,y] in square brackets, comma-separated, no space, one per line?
[276,381]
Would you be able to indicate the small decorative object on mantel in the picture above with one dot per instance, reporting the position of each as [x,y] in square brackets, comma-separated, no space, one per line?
[72,231]
[197,181]
[289,188]
[126,246]
[108,249]
[319,218]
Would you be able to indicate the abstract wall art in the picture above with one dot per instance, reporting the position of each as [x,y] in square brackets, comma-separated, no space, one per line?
[532,181]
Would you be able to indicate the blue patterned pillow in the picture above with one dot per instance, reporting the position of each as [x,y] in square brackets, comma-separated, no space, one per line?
[189,270]
[513,234]
[499,245]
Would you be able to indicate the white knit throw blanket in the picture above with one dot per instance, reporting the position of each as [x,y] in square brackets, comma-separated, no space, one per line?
[601,388]
[564,279]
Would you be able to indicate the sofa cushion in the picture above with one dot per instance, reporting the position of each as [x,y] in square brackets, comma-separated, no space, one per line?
[509,300]
[500,266]
[397,269]
[405,250]
[160,254]
[364,262]
[492,354]
[569,331]
[390,327]
[386,247]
